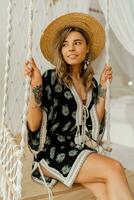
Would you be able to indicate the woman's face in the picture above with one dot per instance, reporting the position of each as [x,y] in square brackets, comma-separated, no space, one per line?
[74,49]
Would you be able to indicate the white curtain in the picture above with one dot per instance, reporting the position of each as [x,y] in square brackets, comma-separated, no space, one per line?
[122,21]
[122,25]
[61,7]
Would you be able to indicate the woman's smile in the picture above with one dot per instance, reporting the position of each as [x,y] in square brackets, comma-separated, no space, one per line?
[72,56]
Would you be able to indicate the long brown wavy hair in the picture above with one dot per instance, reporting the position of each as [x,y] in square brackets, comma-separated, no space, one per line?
[63,69]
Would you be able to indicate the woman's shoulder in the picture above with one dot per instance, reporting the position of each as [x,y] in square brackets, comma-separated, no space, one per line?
[49,72]
[50,77]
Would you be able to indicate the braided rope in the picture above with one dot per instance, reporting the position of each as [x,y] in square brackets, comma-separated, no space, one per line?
[10,153]
[27,84]
[26,96]
[107,58]
[9,164]
[107,45]
[3,176]
[7,65]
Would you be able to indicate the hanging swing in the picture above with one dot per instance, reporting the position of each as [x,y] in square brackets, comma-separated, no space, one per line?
[11,154]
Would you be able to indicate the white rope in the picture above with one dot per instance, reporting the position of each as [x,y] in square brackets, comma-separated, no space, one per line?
[26,96]
[49,190]
[10,153]
[107,58]
[7,65]
[4,190]
[10,188]
[107,45]
[27,84]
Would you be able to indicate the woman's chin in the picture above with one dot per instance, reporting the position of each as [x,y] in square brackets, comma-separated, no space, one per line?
[73,63]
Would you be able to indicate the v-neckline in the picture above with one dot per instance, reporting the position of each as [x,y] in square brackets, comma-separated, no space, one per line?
[78,92]
[78,98]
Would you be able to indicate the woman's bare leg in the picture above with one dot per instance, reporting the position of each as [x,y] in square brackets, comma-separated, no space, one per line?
[99,168]
[98,189]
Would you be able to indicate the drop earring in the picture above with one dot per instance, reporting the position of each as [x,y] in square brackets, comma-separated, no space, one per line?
[87,61]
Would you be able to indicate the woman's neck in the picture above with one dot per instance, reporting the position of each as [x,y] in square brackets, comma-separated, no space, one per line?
[75,73]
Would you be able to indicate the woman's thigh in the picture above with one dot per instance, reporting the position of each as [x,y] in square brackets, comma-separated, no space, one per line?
[97,168]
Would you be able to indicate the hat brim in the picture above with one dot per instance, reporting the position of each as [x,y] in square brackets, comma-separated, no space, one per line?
[89,24]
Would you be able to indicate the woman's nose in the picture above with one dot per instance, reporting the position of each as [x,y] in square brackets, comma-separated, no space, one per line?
[71,47]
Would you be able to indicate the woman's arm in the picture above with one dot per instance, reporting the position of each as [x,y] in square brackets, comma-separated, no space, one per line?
[100,105]
[34,115]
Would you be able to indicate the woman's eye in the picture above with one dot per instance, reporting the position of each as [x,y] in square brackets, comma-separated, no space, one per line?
[77,43]
[64,45]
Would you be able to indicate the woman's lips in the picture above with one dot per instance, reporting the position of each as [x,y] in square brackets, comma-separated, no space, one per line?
[72,56]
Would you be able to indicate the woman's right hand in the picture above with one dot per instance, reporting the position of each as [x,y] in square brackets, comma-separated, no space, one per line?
[31,70]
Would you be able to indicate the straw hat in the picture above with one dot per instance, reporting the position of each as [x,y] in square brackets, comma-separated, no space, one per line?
[84,21]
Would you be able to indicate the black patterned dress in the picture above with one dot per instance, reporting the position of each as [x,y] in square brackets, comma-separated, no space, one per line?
[60,144]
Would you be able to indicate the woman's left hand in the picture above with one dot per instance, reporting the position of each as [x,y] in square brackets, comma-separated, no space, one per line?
[106,75]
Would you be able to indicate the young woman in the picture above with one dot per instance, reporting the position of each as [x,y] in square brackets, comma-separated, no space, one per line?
[66,111]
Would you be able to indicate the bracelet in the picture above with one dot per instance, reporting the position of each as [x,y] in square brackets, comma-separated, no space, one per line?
[38,94]
[101,91]
[34,106]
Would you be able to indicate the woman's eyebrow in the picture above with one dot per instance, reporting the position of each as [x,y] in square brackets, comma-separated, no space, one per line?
[73,40]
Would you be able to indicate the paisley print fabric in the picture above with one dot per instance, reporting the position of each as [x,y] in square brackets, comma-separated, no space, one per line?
[60,155]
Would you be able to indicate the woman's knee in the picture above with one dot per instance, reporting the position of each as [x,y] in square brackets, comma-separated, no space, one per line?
[99,168]
[115,168]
